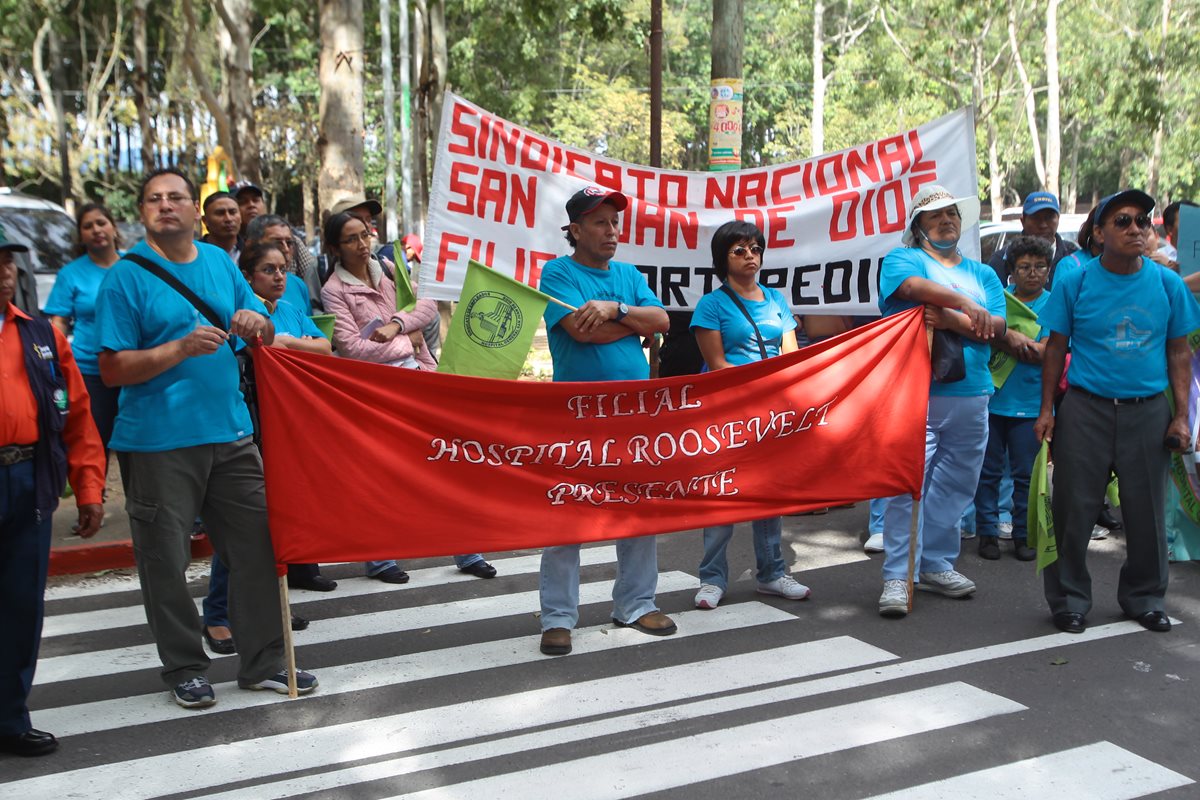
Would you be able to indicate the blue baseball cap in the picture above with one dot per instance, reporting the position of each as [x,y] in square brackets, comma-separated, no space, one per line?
[1037,201]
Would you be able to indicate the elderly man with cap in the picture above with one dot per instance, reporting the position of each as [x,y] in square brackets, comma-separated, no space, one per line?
[1039,217]
[1126,320]
[599,341]
[964,301]
[46,434]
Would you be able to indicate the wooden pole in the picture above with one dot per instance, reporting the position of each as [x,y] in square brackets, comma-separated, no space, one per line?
[288,645]
[914,529]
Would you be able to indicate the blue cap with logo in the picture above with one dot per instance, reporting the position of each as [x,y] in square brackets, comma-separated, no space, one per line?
[1037,201]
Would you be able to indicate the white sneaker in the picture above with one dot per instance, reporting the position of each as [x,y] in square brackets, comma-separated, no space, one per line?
[963,533]
[948,583]
[1006,529]
[785,586]
[874,543]
[709,596]
[1099,532]
[894,600]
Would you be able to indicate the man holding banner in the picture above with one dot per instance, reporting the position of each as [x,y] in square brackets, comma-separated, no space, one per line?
[600,340]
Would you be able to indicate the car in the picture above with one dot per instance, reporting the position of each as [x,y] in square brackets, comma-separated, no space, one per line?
[49,232]
[994,235]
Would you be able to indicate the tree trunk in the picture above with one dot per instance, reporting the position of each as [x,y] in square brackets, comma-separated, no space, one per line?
[1155,167]
[340,141]
[3,139]
[1071,191]
[420,116]
[818,78]
[1030,102]
[728,35]
[141,81]
[235,44]
[995,176]
[389,120]
[1053,134]
[406,137]
[307,196]
[220,119]
[441,61]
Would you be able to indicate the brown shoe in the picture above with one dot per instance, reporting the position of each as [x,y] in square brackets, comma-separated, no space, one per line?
[655,623]
[556,642]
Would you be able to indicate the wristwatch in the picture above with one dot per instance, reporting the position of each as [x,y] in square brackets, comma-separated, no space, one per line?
[622,312]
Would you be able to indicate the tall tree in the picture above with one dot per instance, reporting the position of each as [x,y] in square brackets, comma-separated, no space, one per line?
[340,141]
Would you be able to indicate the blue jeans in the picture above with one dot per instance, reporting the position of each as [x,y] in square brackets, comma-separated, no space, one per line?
[967,523]
[955,437]
[768,554]
[633,591]
[1011,446]
[462,562]
[216,602]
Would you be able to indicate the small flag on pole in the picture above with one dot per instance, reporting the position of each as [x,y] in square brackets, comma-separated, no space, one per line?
[492,329]
[406,298]
[1041,520]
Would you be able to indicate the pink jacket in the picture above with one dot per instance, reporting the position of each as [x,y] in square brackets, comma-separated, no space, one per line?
[354,304]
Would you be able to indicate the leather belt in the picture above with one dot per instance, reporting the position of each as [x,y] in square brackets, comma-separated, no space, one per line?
[15,454]
[1116,401]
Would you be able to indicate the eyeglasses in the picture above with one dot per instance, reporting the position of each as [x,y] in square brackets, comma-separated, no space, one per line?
[1123,221]
[174,199]
[741,250]
[362,237]
[272,270]
[1032,268]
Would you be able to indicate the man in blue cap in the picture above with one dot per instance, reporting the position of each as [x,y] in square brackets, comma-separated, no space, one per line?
[1039,217]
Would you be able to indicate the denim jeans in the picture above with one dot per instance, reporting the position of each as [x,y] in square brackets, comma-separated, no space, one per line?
[955,437]
[1011,447]
[462,562]
[633,591]
[967,523]
[768,554]
[216,602]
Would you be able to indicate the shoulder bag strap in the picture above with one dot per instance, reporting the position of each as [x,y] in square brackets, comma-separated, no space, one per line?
[737,301]
[204,308]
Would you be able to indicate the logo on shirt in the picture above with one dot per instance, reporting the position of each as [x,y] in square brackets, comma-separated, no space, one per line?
[492,319]
[1129,336]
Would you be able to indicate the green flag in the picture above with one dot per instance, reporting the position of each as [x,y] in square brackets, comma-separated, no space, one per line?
[492,328]
[406,298]
[1041,520]
[1022,320]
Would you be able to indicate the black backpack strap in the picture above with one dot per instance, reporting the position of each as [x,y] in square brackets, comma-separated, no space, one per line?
[737,301]
[204,308]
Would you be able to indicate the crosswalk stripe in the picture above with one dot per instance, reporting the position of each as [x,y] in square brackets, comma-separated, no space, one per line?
[136,657]
[208,767]
[676,712]
[127,616]
[1100,771]
[714,754]
[126,712]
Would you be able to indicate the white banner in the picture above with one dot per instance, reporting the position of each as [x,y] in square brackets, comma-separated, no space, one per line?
[499,196]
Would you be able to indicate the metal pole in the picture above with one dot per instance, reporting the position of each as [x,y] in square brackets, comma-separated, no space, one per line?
[406,154]
[656,69]
[389,124]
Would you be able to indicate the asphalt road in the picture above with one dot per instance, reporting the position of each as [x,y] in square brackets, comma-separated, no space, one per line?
[436,690]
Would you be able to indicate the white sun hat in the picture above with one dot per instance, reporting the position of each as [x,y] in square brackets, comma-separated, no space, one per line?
[933,197]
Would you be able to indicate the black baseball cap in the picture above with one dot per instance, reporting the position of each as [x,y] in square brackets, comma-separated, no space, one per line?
[1138,198]
[11,246]
[247,186]
[587,199]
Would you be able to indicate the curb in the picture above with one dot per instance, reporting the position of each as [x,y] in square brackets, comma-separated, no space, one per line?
[79,558]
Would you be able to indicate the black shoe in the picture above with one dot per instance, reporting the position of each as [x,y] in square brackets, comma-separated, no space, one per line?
[1070,622]
[299,623]
[1107,520]
[480,569]
[317,583]
[392,575]
[222,647]
[1154,621]
[989,548]
[1023,551]
[30,743]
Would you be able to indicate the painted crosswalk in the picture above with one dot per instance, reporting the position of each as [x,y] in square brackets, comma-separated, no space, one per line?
[624,715]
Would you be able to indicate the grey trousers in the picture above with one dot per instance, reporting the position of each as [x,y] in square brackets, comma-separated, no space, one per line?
[223,483]
[1092,437]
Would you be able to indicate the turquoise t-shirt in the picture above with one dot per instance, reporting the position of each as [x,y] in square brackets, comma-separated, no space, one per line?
[573,283]
[1021,394]
[74,297]
[296,293]
[291,321]
[1119,325]
[197,401]
[975,280]
[717,311]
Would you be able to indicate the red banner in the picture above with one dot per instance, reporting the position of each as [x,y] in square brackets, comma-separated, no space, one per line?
[370,462]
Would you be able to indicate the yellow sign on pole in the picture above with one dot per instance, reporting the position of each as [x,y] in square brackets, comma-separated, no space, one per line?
[725,124]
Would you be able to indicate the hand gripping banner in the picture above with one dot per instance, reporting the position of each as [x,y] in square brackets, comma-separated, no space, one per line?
[368,462]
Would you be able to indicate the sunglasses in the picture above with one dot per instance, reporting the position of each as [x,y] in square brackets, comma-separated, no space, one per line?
[741,250]
[1123,221]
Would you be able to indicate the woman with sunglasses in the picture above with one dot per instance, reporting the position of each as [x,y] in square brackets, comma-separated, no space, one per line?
[739,323]
[1127,321]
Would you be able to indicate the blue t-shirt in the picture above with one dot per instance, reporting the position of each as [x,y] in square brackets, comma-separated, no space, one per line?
[573,283]
[717,311]
[291,321]
[1021,394]
[74,297]
[977,281]
[1119,325]
[296,293]
[197,401]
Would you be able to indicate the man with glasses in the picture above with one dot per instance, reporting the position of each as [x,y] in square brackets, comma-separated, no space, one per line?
[183,438]
[303,283]
[1127,320]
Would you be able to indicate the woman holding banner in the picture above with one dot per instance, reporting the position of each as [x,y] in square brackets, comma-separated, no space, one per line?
[964,303]
[741,322]
[361,295]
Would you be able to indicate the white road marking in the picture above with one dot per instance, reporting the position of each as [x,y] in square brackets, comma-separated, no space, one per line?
[1100,771]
